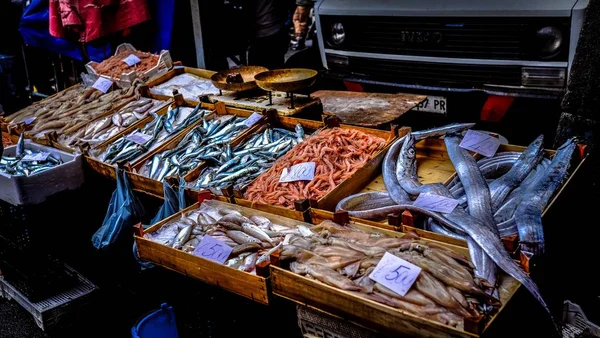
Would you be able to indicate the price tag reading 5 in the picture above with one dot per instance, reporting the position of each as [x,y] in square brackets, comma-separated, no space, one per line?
[395,273]
[213,249]
[480,143]
[299,172]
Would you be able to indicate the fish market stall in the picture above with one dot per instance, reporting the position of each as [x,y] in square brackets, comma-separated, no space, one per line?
[106,129]
[128,64]
[140,143]
[66,114]
[30,172]
[346,158]
[435,166]
[211,141]
[251,155]
[240,243]
[306,273]
[189,82]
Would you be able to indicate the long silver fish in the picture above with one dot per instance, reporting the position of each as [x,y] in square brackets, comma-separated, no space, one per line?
[526,162]
[478,200]
[529,212]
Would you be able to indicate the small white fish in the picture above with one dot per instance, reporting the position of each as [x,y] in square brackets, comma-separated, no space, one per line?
[117,119]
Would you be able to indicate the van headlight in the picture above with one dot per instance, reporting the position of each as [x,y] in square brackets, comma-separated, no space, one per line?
[550,40]
[338,35]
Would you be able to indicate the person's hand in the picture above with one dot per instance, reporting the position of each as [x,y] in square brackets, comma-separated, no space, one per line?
[300,19]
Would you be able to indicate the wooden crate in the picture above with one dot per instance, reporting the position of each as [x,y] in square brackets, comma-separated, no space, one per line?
[155,187]
[270,119]
[254,287]
[203,73]
[370,314]
[352,184]
[141,183]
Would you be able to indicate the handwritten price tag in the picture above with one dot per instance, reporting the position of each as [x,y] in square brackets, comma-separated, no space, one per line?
[480,143]
[131,60]
[36,157]
[299,172]
[250,121]
[213,249]
[102,84]
[138,138]
[436,203]
[30,120]
[395,273]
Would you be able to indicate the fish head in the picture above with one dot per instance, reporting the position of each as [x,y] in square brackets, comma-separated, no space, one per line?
[407,160]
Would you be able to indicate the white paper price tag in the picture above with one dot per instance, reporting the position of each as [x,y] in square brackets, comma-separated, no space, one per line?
[480,143]
[102,84]
[436,203]
[29,120]
[131,60]
[395,273]
[299,172]
[139,138]
[36,157]
[213,249]
[252,119]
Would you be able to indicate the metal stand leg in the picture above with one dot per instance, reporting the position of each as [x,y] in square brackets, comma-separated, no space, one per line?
[220,92]
[270,98]
[292,100]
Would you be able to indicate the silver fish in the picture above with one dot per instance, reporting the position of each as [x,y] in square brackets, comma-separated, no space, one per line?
[529,212]
[256,232]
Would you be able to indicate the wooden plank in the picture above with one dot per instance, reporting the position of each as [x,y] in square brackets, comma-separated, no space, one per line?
[366,109]
[248,285]
[236,281]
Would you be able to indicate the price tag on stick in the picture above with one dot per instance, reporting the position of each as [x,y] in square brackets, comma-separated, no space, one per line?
[436,203]
[252,119]
[102,84]
[213,249]
[299,172]
[480,143]
[131,60]
[395,273]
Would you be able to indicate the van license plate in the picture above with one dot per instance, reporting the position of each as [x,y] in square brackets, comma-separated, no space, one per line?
[433,104]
